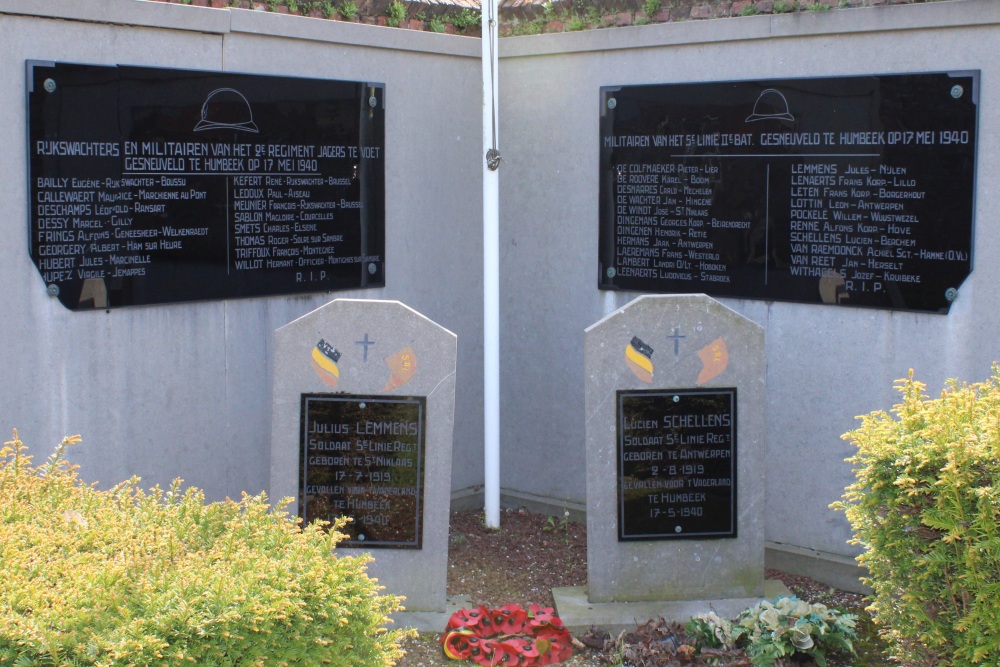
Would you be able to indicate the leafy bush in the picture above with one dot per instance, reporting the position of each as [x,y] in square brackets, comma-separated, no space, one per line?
[926,509]
[772,631]
[348,10]
[395,14]
[437,24]
[465,19]
[126,577]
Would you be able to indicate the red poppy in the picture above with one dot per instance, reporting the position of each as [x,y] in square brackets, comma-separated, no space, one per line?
[506,653]
[456,645]
[507,636]
[559,650]
[510,619]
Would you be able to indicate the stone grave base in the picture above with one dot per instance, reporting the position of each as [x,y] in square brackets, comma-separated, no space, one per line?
[431,621]
[579,613]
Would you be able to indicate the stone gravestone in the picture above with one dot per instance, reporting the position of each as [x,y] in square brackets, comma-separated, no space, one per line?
[675,408]
[364,406]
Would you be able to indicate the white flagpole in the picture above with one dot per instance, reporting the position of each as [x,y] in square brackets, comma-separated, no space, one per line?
[491,267]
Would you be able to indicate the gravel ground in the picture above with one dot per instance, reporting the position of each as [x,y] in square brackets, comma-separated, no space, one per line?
[528,556]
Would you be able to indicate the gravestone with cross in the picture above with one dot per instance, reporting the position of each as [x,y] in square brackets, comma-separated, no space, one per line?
[364,403]
[675,445]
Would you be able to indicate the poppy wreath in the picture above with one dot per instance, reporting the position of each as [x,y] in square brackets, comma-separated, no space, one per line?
[509,635]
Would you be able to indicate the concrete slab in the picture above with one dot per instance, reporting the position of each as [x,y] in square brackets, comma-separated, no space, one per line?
[431,621]
[579,614]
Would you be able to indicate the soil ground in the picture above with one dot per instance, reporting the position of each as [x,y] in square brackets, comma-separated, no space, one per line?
[531,554]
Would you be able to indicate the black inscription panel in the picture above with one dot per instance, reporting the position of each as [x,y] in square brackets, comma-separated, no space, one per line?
[676,464]
[155,185]
[855,191]
[363,457]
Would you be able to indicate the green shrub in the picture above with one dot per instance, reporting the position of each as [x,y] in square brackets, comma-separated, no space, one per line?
[348,10]
[126,577]
[575,23]
[437,24]
[650,7]
[926,509]
[465,19]
[395,14]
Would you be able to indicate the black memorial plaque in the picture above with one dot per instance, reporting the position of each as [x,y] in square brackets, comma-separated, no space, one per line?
[363,457]
[676,464]
[855,191]
[158,185]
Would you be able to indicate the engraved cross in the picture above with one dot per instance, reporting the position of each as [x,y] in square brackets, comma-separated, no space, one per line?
[365,343]
[677,341]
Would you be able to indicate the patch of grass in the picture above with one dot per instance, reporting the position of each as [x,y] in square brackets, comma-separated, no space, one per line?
[650,7]
[576,22]
[818,7]
[533,27]
[750,10]
[437,24]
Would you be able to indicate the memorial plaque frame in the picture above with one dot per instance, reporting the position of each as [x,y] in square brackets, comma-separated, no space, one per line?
[357,475]
[853,190]
[155,185]
[664,460]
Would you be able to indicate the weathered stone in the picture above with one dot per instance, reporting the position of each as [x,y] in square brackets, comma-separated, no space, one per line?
[701,11]
[375,349]
[690,341]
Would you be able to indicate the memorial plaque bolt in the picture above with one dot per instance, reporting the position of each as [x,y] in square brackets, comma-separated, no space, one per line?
[50,85]
[950,294]
[372,268]
[372,101]
[612,103]
[611,272]
[957,91]
[677,399]
[361,405]
[52,290]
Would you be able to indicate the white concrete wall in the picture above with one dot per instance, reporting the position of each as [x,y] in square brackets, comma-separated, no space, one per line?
[185,390]
[825,364]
